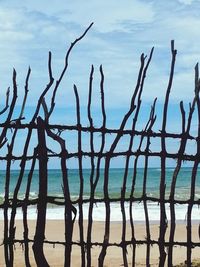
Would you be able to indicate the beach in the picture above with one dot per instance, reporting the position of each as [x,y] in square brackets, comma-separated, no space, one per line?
[55,232]
[114,257]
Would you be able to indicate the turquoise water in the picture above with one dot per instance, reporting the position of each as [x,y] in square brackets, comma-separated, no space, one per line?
[115,183]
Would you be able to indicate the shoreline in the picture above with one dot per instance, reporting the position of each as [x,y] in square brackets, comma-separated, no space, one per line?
[98,213]
[55,232]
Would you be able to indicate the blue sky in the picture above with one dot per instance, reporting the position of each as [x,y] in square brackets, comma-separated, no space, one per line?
[122,30]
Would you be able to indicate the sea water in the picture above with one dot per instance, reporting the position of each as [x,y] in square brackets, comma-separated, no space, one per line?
[115,184]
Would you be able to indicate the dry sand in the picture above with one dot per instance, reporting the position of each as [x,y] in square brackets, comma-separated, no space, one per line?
[55,232]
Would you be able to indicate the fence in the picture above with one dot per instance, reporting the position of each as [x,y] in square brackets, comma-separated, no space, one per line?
[73,208]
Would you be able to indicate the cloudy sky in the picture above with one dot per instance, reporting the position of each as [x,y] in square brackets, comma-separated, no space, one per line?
[122,30]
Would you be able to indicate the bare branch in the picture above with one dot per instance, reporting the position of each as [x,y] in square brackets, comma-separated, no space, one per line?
[65,69]
[7,102]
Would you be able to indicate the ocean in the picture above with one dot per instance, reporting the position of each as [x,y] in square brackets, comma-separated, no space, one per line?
[182,192]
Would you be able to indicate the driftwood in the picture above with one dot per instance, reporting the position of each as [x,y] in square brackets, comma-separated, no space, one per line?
[41,154]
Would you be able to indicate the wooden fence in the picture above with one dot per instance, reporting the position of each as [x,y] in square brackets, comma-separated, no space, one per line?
[74,208]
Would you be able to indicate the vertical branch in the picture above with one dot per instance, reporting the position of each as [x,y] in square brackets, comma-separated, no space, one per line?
[11,109]
[25,207]
[103,133]
[185,133]
[94,182]
[163,218]
[148,128]
[102,97]
[42,197]
[90,219]
[14,201]
[26,93]
[6,204]
[80,164]
[45,91]
[7,102]
[173,187]
[69,209]
[69,221]
[194,173]
[148,235]
[134,181]
[8,243]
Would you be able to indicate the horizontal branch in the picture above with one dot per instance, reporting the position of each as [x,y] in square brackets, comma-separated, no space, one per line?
[136,153]
[102,130]
[60,201]
[126,243]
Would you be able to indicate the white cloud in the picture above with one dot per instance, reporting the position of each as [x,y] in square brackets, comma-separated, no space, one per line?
[109,16]
[121,32]
[187,2]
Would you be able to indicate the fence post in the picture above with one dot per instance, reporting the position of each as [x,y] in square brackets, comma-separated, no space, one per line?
[42,198]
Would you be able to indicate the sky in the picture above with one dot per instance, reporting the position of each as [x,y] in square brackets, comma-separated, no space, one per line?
[122,30]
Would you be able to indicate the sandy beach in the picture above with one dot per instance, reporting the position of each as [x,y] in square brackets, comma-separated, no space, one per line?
[55,232]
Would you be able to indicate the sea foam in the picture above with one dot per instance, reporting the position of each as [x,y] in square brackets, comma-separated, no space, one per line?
[99,212]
